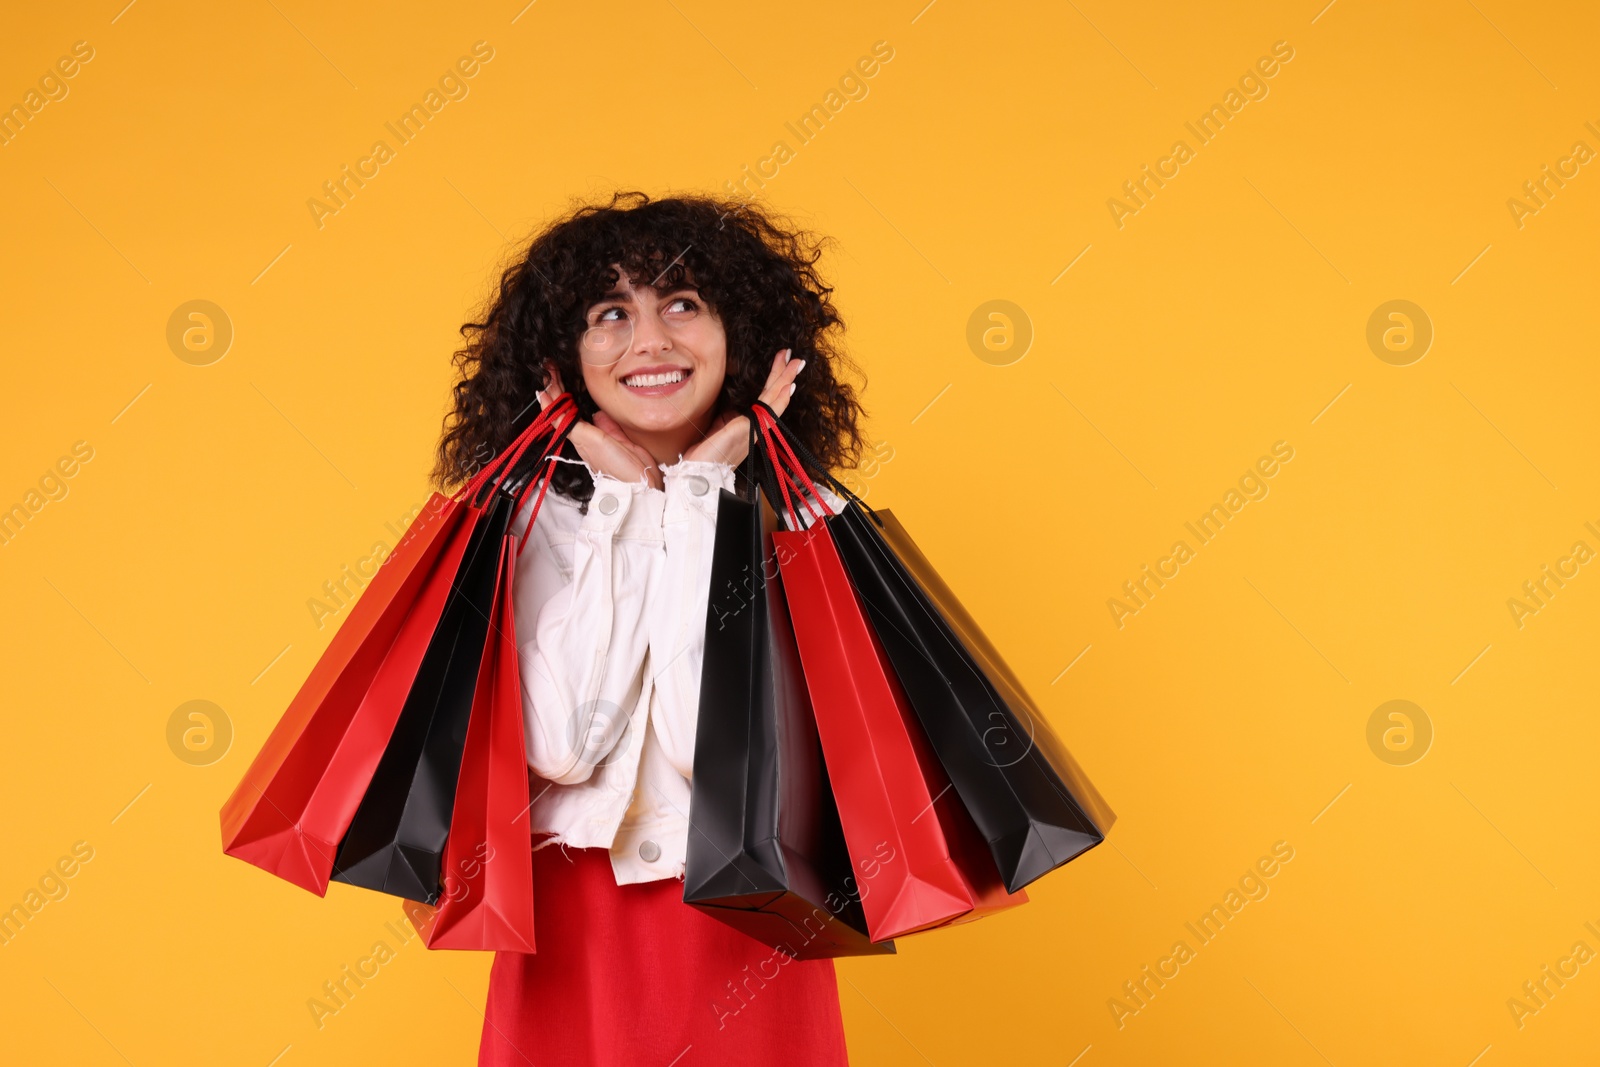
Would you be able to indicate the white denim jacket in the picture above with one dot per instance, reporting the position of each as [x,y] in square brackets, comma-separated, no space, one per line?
[610,616]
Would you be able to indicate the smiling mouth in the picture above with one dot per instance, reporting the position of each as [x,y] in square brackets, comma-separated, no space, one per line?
[657,380]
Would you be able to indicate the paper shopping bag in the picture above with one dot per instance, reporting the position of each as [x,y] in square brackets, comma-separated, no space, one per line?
[888,784]
[395,842]
[487,891]
[1029,800]
[299,795]
[766,853]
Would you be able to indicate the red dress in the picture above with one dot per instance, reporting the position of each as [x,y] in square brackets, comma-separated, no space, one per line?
[629,975]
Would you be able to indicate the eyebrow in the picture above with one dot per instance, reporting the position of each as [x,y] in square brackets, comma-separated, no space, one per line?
[626,297]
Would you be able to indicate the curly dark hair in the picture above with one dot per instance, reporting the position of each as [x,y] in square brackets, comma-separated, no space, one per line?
[757,272]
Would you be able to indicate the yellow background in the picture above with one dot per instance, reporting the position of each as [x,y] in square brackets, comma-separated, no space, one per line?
[1228,314]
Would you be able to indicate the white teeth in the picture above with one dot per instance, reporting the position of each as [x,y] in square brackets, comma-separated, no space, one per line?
[640,381]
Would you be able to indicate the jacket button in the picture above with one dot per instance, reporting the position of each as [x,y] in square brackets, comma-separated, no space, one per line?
[698,485]
[608,505]
[649,851]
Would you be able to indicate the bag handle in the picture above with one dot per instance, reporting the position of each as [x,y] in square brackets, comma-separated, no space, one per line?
[784,470]
[564,421]
[778,430]
[555,421]
[766,474]
[544,479]
[759,475]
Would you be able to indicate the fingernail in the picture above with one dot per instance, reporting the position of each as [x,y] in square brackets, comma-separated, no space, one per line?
[800,366]
[788,354]
[791,388]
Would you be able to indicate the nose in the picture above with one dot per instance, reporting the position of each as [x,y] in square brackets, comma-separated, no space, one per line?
[650,334]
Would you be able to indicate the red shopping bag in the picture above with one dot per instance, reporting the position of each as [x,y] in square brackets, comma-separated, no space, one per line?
[300,793]
[487,900]
[889,784]
[1034,807]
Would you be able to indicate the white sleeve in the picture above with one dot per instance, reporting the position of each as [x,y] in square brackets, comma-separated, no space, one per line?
[580,597]
[678,614]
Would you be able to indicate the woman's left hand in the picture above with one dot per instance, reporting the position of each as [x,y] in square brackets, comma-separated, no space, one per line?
[728,440]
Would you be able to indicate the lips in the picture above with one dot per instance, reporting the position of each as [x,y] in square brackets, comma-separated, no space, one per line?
[664,378]
[654,381]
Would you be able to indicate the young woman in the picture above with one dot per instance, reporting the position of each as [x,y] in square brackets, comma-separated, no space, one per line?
[666,320]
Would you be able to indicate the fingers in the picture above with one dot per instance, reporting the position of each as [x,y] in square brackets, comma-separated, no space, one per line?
[611,426]
[781,382]
[728,442]
[612,429]
[584,436]
[552,387]
[775,372]
[619,458]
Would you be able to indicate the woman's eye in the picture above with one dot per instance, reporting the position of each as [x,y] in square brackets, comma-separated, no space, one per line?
[609,315]
[688,304]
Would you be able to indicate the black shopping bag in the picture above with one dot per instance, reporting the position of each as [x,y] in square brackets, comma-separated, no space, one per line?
[766,852]
[395,844]
[1028,796]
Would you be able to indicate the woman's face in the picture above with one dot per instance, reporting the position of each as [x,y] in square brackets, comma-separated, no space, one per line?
[654,362]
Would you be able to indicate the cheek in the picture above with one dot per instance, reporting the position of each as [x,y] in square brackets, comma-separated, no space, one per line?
[712,373]
[596,379]
[712,349]
[709,377]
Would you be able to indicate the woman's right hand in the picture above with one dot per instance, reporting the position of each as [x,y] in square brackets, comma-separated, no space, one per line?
[602,444]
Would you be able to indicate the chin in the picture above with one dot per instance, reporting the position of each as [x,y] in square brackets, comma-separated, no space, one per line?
[666,413]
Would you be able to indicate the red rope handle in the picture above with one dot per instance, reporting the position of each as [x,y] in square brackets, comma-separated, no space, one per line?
[473,486]
[548,421]
[782,471]
[782,477]
[544,483]
[543,480]
[560,423]
[560,416]
[771,430]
